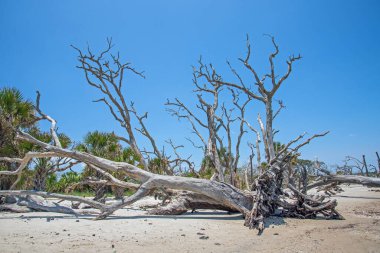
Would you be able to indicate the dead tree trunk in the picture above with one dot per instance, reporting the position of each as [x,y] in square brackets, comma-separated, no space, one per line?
[304,179]
[251,166]
[367,181]
[255,206]
[365,166]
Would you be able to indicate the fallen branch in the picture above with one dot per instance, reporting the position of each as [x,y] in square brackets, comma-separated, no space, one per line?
[346,179]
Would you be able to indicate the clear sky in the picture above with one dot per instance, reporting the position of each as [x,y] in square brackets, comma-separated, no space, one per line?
[334,87]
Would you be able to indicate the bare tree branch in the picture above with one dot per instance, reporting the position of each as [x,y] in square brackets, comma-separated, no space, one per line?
[53,128]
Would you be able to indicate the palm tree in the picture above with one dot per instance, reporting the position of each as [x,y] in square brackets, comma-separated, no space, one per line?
[207,167]
[104,145]
[66,180]
[101,144]
[15,112]
[15,109]
[43,167]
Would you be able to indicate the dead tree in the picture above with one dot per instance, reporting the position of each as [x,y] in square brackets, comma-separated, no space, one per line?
[365,166]
[361,165]
[218,124]
[250,145]
[241,117]
[268,191]
[269,184]
[205,193]
[100,74]
[378,164]
[344,169]
[106,73]
[211,124]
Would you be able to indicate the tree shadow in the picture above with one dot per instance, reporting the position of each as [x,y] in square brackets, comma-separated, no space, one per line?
[211,215]
[274,221]
[47,217]
[199,215]
[355,197]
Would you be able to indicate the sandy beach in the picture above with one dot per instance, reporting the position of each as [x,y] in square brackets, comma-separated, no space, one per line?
[132,230]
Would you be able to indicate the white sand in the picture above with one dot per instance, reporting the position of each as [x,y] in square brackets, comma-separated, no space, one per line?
[131,230]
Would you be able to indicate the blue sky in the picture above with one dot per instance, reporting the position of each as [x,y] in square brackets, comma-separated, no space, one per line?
[334,87]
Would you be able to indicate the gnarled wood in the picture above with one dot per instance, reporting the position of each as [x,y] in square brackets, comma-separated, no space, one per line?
[349,179]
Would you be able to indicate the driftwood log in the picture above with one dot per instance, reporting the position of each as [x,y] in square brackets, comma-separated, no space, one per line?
[254,205]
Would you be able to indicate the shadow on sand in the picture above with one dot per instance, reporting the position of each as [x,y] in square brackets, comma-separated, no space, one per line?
[355,197]
[201,215]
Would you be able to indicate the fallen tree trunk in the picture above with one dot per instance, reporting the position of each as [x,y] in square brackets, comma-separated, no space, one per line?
[349,179]
[35,200]
[87,201]
[254,205]
[183,201]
